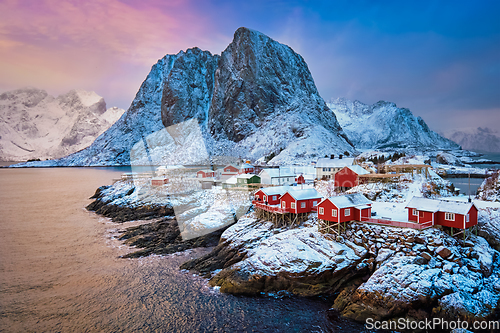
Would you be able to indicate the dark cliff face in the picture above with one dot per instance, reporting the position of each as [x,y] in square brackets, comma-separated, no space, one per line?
[258,78]
[188,89]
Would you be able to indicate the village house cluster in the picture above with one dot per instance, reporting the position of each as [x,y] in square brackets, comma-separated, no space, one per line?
[287,196]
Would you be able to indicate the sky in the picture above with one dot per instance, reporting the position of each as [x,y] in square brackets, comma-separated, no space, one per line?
[440,59]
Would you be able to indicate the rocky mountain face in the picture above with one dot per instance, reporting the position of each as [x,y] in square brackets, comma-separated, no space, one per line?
[35,125]
[480,139]
[265,101]
[256,100]
[384,125]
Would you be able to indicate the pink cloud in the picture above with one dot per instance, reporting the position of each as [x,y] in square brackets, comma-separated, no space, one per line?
[61,45]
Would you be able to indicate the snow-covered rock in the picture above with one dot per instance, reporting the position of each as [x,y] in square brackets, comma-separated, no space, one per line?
[35,125]
[489,223]
[384,125]
[302,260]
[490,188]
[447,158]
[463,286]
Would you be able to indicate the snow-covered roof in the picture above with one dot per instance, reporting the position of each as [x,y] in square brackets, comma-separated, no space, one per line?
[206,171]
[231,165]
[349,200]
[158,178]
[304,194]
[276,173]
[432,205]
[358,169]
[246,176]
[247,166]
[232,180]
[334,162]
[275,190]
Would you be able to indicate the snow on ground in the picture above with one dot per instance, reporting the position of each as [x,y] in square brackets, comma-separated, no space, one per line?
[395,211]
[407,186]
[412,159]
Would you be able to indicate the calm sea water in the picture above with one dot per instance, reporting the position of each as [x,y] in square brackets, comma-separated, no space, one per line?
[60,272]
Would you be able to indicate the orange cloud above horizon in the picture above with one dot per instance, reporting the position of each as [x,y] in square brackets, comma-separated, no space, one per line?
[100,45]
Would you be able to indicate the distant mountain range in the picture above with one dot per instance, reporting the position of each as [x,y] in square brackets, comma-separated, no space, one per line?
[477,139]
[35,125]
[256,100]
[384,125]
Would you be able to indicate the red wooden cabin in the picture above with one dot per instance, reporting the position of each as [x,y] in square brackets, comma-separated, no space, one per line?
[157,181]
[205,173]
[246,168]
[230,170]
[300,200]
[271,195]
[348,176]
[461,215]
[300,180]
[344,208]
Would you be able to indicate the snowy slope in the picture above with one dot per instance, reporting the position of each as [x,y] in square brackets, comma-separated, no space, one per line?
[34,124]
[256,99]
[384,125]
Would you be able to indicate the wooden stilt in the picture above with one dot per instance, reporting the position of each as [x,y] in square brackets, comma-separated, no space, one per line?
[451,231]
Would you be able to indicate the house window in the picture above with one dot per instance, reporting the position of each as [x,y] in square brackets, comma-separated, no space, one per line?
[292,205]
[347,212]
[274,197]
[283,204]
[415,212]
[302,205]
[315,203]
[449,216]
[265,198]
[467,218]
[321,210]
[334,212]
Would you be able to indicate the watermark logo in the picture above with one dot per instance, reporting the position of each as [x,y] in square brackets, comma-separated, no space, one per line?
[430,324]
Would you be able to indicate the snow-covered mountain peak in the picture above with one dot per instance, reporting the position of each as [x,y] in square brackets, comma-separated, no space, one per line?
[87,98]
[28,96]
[384,125]
[34,124]
[478,139]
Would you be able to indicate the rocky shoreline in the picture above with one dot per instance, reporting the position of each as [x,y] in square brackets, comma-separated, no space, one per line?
[376,272]
[103,205]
